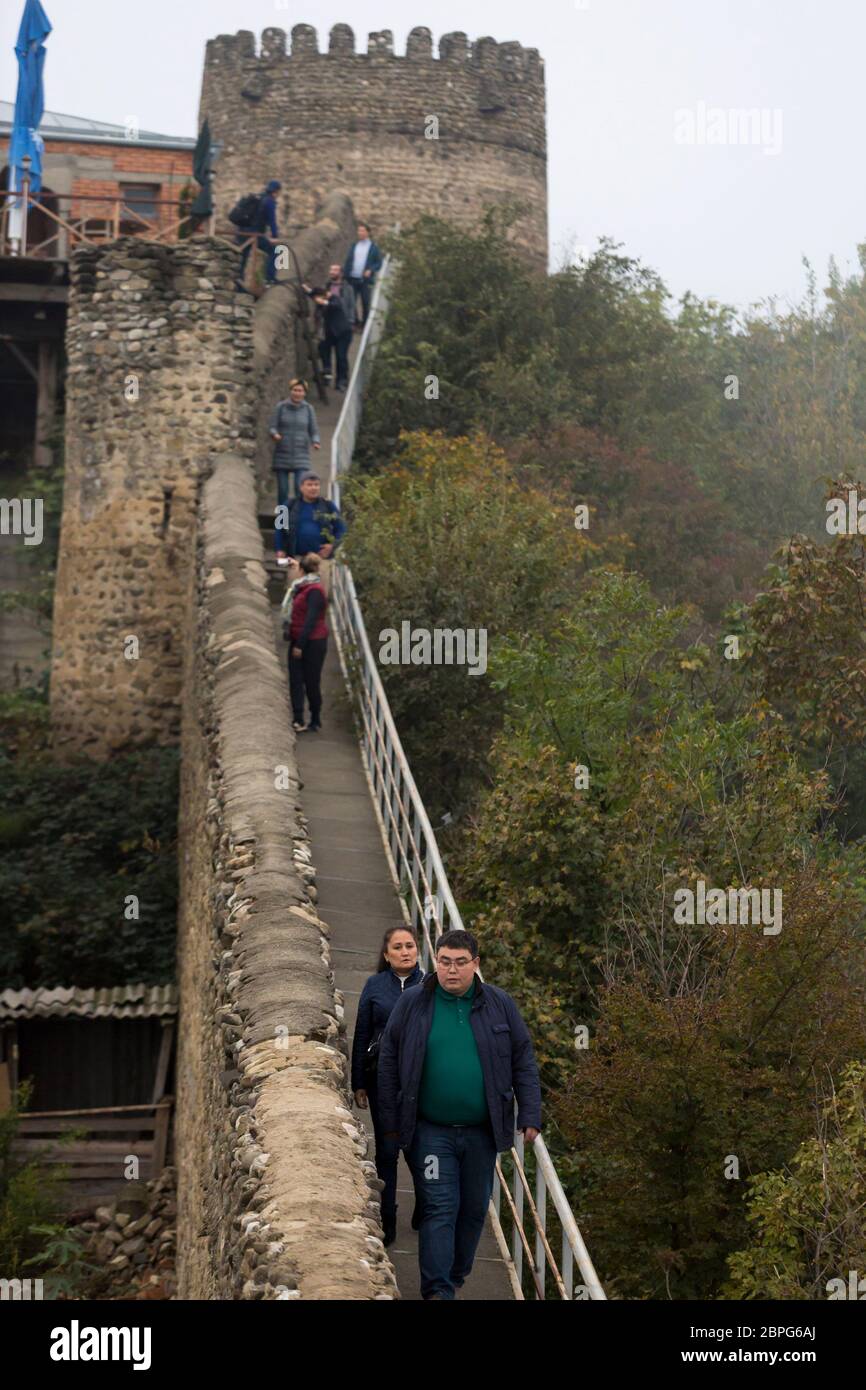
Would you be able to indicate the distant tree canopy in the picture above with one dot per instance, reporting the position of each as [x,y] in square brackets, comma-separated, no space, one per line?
[596,379]
[676,694]
[77,842]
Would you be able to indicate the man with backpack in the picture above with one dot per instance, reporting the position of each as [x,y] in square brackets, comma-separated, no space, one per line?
[254,215]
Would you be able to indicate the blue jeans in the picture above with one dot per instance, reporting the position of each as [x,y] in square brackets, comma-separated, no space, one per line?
[453,1170]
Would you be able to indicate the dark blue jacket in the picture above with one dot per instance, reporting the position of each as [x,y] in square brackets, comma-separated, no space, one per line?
[378,997]
[266,219]
[374,261]
[332,529]
[504,1049]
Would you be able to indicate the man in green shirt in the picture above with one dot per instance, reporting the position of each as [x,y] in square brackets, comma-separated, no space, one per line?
[451,1061]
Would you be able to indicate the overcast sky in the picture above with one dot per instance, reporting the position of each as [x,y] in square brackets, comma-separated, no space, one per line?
[635,91]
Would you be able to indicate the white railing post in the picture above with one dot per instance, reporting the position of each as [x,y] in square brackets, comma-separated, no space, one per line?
[541,1208]
[517,1192]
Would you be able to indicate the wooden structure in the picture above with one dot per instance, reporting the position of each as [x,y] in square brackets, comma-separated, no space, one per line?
[100,1064]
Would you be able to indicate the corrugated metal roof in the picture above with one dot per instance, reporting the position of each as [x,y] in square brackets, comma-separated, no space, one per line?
[122,1001]
[55,125]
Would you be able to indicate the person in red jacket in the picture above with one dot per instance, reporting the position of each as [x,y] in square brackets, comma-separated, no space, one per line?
[308,643]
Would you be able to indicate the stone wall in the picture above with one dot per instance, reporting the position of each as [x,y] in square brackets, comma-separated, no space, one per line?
[160,380]
[275,1199]
[357,122]
[168,367]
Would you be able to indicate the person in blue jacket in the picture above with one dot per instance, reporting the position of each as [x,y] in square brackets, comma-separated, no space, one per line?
[266,226]
[362,262]
[453,1057]
[397,973]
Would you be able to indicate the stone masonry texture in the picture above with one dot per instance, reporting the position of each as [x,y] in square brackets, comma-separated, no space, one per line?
[359,122]
[168,368]
[276,1198]
[159,381]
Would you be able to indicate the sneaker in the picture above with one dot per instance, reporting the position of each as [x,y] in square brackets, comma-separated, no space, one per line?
[314,728]
[298,727]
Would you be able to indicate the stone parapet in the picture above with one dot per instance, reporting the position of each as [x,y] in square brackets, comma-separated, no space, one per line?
[276,1198]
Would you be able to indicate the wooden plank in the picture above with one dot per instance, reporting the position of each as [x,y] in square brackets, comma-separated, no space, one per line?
[160,1136]
[110,1173]
[99,1126]
[163,1060]
[102,1110]
[41,294]
[72,1153]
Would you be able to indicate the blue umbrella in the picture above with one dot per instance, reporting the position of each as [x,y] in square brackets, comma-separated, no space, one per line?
[30,98]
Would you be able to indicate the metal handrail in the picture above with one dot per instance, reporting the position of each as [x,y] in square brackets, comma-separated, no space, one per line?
[418,872]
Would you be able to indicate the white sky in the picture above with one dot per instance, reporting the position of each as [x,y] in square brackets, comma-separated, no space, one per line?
[728,222]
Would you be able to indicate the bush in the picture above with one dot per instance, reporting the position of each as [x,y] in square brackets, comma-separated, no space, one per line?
[447,539]
[806,1220]
[76,840]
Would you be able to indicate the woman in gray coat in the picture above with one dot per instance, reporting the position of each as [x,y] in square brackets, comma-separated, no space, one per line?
[294,429]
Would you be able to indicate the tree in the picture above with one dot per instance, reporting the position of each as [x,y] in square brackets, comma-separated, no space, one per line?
[806,1220]
[447,540]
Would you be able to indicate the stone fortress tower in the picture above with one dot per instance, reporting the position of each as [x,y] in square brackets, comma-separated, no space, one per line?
[363,124]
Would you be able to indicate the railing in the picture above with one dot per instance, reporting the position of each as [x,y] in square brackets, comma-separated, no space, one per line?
[82,219]
[425,894]
[343,440]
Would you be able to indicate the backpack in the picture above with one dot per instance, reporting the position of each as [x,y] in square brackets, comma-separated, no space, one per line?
[245,213]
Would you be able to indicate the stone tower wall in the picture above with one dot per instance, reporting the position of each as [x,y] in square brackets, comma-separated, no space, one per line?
[159,382]
[355,122]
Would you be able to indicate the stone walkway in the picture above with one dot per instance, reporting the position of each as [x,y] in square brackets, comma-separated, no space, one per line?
[356,895]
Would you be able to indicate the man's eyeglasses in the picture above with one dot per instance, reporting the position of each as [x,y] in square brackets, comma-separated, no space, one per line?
[449,965]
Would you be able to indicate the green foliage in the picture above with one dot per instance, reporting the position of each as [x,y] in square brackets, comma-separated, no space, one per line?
[466,310]
[446,539]
[29,1198]
[699,440]
[75,840]
[807,647]
[62,1256]
[806,1220]
[703,1038]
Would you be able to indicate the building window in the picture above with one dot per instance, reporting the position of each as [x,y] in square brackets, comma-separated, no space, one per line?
[140,200]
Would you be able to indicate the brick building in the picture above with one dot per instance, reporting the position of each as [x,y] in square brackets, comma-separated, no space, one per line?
[101,180]
[104,178]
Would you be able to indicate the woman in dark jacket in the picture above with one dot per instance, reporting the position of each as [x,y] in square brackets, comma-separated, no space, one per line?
[398,970]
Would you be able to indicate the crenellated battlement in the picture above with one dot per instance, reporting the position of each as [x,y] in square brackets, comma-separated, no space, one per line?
[522,64]
[447,129]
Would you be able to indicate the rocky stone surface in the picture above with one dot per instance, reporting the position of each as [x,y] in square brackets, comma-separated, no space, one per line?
[132,1240]
[277,1199]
